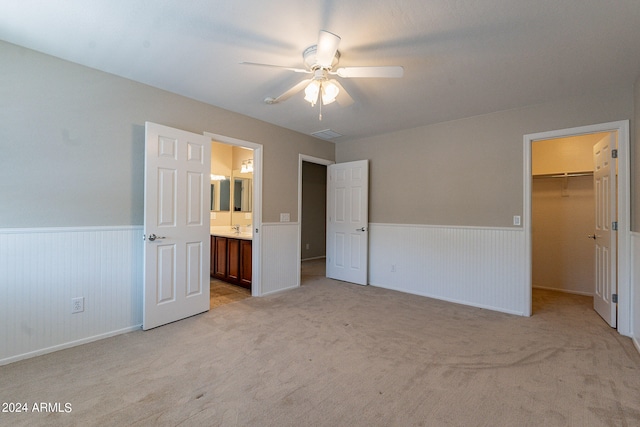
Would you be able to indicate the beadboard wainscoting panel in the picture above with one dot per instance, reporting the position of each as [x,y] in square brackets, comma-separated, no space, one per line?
[481,267]
[280,266]
[42,270]
[635,289]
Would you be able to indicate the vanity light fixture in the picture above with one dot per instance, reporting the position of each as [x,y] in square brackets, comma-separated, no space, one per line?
[218,177]
[247,166]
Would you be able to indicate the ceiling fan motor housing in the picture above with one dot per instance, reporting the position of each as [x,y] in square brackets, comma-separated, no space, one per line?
[309,56]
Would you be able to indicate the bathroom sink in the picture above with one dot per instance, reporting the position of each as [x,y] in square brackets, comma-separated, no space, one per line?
[245,235]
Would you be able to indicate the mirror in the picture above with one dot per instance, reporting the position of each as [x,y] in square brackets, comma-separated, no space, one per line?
[242,194]
[221,195]
[231,185]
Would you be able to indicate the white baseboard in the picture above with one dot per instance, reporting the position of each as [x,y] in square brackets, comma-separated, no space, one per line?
[66,345]
[315,257]
[566,291]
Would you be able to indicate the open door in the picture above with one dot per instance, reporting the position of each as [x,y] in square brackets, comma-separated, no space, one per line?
[348,221]
[605,180]
[176,229]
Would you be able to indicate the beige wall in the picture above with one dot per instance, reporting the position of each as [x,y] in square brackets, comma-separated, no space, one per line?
[72,143]
[469,171]
[635,160]
[572,154]
[314,207]
[221,158]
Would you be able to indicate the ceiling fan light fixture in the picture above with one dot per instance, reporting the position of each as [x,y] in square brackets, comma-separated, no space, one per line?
[329,92]
[312,91]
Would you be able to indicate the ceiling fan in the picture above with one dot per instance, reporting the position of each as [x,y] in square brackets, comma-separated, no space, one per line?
[320,60]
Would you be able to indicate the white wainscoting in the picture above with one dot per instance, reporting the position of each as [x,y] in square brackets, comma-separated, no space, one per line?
[635,289]
[481,267]
[41,270]
[280,266]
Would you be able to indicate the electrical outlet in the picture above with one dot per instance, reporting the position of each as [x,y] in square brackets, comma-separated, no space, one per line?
[285,217]
[516,220]
[307,246]
[77,305]
[393,268]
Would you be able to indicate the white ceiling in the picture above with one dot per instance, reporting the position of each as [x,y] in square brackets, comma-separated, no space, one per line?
[461,57]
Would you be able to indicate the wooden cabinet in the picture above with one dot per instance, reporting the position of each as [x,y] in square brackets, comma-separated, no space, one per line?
[245,264]
[231,260]
[219,257]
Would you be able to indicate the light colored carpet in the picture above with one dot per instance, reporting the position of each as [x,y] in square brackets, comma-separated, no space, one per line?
[337,354]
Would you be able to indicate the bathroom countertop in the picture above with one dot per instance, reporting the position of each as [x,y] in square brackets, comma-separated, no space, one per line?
[244,235]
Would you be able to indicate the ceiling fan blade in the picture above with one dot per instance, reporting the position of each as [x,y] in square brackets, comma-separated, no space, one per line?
[295,70]
[343,99]
[288,94]
[372,72]
[327,47]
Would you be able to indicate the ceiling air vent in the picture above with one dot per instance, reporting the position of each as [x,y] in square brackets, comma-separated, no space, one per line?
[326,134]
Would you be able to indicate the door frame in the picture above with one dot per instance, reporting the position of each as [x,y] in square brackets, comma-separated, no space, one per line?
[624,214]
[256,244]
[318,161]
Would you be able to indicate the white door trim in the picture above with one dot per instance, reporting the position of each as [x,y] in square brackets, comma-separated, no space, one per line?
[318,161]
[256,245]
[624,215]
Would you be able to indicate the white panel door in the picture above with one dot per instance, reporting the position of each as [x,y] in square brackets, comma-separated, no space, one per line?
[176,224]
[604,178]
[348,221]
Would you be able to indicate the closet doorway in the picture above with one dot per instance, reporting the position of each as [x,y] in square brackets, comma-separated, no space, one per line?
[563,214]
[617,217]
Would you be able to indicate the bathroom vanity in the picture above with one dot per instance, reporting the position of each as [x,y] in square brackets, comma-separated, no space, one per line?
[231,258]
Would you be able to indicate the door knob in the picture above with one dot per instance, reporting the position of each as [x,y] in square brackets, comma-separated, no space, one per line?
[153,237]
[360,229]
[592,236]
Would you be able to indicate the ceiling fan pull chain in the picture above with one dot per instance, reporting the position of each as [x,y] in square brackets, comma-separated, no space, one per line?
[320,117]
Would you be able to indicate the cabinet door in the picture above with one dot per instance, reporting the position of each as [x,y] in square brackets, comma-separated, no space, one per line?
[233,260]
[220,261]
[245,263]
[212,257]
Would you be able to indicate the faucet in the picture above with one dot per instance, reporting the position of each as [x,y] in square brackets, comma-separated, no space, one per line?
[236,228]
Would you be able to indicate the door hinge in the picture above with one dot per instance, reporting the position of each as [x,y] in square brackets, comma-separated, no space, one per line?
[614,225]
[614,153]
[614,298]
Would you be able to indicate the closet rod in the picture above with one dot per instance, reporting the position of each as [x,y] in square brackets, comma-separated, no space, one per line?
[564,175]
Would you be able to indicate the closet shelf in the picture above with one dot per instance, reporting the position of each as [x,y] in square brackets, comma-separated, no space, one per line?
[564,175]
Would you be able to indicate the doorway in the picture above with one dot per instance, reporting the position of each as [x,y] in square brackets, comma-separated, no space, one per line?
[231,209]
[312,211]
[621,129]
[249,220]
[563,214]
